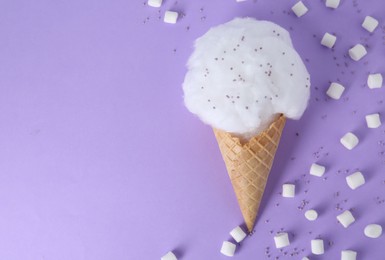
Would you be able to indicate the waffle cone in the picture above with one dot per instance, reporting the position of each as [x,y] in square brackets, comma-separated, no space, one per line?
[248,165]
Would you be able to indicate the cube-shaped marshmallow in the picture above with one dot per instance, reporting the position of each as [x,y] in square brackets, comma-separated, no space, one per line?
[170,17]
[299,9]
[228,248]
[335,90]
[375,80]
[373,120]
[328,40]
[357,52]
[317,170]
[355,180]
[370,23]
[238,234]
[348,255]
[317,246]
[281,240]
[288,190]
[332,3]
[349,140]
[346,218]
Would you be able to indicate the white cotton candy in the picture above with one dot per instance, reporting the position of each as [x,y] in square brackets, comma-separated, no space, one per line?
[238,234]
[311,215]
[170,17]
[169,256]
[328,40]
[357,52]
[346,218]
[335,90]
[349,140]
[348,255]
[228,248]
[373,231]
[332,3]
[317,170]
[373,120]
[355,180]
[317,247]
[370,23]
[299,9]
[288,190]
[155,3]
[243,74]
[375,80]
[281,240]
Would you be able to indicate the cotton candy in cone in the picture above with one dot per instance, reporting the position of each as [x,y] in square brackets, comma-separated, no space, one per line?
[248,165]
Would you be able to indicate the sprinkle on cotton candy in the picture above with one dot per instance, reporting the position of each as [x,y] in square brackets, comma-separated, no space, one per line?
[243,74]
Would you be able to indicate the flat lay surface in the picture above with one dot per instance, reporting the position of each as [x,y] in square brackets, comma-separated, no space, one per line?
[100,159]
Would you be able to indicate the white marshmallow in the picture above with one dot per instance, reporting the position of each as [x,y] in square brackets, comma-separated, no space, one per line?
[332,3]
[238,234]
[305,258]
[348,255]
[346,218]
[311,215]
[373,231]
[335,90]
[375,80]
[281,240]
[370,23]
[328,40]
[357,52]
[317,246]
[288,190]
[373,120]
[154,3]
[228,248]
[349,140]
[317,170]
[169,256]
[355,180]
[241,0]
[299,9]
[170,17]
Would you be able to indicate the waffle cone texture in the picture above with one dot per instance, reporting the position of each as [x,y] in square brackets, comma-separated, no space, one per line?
[248,165]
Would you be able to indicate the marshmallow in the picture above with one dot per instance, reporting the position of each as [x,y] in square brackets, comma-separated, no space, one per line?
[317,170]
[349,140]
[305,258]
[328,40]
[357,52]
[373,120]
[169,256]
[299,9]
[355,180]
[375,80]
[241,0]
[332,3]
[288,190]
[228,248]
[311,215]
[281,240]
[317,246]
[373,231]
[335,90]
[348,255]
[346,218]
[170,17]
[238,234]
[154,3]
[370,23]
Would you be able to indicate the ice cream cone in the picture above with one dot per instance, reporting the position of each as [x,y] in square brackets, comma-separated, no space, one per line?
[248,165]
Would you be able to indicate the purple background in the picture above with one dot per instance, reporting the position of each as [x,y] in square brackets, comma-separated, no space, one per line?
[99,159]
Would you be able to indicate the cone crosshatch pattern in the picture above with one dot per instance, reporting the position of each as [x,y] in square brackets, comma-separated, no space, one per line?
[248,165]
